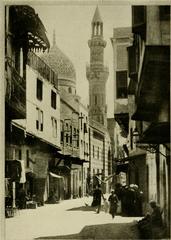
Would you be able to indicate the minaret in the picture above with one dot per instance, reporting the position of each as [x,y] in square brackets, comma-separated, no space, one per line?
[97,73]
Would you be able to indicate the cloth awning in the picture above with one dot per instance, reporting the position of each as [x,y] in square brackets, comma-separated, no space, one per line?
[55,175]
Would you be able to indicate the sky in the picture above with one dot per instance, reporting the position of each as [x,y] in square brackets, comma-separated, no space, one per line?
[72,25]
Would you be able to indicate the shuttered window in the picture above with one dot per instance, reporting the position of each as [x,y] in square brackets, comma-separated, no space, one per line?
[121,84]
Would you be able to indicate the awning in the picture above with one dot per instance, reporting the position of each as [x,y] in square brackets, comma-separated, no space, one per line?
[121,167]
[157,133]
[55,175]
[77,160]
[123,121]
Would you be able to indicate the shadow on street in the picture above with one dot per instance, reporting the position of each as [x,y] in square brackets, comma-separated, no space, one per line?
[83,208]
[103,231]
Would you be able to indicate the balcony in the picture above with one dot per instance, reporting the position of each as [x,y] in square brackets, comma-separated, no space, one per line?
[139,20]
[27,27]
[15,92]
[41,67]
[153,85]
[97,71]
[156,133]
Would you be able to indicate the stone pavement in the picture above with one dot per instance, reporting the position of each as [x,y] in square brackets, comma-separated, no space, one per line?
[70,219]
[103,231]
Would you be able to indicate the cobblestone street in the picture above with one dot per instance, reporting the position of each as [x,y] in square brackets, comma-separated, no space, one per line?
[70,219]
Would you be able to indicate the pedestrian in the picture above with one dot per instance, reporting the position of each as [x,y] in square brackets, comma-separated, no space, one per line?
[106,205]
[113,199]
[97,198]
[22,198]
[151,226]
[156,220]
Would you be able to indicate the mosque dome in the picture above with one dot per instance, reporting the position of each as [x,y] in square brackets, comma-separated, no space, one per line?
[61,65]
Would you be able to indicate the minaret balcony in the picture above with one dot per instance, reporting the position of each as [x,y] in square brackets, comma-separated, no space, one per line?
[97,71]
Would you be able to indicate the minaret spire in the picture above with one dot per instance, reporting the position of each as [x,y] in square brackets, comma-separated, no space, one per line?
[97,24]
[54,38]
[97,17]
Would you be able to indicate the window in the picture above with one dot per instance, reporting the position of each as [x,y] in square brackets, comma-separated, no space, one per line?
[67,137]
[164,13]
[81,117]
[131,138]
[121,84]
[70,90]
[80,175]
[93,150]
[53,99]
[84,147]
[20,154]
[54,127]
[95,99]
[27,159]
[39,120]
[77,138]
[98,153]
[71,135]
[81,144]
[39,89]
[62,136]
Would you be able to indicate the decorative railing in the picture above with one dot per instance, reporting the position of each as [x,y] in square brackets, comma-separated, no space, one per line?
[15,88]
[44,70]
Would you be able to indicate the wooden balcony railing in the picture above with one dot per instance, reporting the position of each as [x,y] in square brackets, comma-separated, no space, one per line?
[15,91]
[40,66]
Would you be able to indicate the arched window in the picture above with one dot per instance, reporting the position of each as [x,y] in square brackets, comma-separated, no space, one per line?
[70,90]
[95,99]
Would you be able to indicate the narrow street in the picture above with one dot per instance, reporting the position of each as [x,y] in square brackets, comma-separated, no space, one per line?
[71,219]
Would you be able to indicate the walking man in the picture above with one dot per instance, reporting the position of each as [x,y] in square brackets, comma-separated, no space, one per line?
[113,199]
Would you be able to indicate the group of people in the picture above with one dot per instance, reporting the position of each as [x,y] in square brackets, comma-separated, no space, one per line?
[110,205]
[131,198]
[150,227]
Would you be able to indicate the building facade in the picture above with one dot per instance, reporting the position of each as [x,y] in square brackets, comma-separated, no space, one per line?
[122,38]
[69,162]
[149,71]
[20,39]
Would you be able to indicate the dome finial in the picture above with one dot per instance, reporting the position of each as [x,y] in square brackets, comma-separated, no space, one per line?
[54,38]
